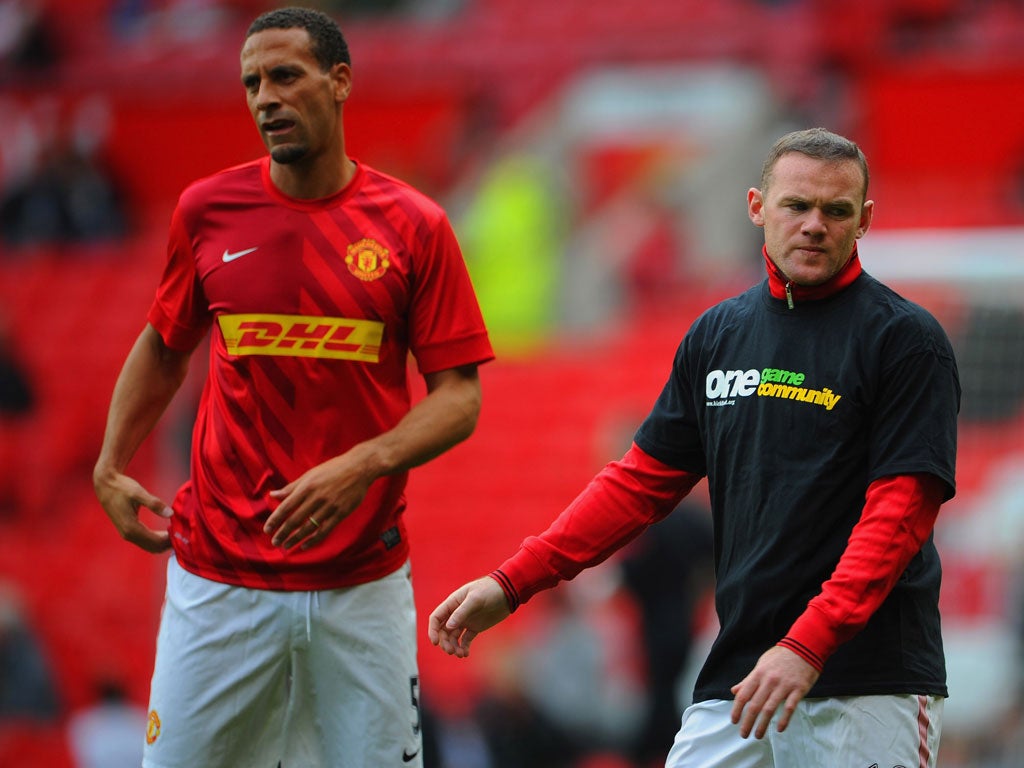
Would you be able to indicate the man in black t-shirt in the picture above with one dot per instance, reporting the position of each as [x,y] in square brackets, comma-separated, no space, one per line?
[821,406]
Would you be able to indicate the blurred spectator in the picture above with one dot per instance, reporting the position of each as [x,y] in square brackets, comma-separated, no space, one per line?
[423,9]
[17,402]
[27,49]
[110,732]
[512,235]
[17,395]
[668,570]
[583,673]
[68,196]
[360,7]
[162,23]
[27,688]
[519,735]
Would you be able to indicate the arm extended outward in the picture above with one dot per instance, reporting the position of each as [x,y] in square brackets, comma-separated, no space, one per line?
[616,506]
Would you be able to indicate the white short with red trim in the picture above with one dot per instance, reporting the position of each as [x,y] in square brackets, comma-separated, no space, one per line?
[248,678]
[897,731]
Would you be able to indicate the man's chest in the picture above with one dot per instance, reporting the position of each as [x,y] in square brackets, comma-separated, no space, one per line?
[281,261]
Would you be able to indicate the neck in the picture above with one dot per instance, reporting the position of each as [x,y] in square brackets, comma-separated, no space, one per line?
[782,287]
[314,179]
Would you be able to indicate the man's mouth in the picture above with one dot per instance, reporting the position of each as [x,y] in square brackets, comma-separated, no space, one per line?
[276,127]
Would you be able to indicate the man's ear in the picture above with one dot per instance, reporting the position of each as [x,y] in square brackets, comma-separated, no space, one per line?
[341,73]
[755,206]
[866,214]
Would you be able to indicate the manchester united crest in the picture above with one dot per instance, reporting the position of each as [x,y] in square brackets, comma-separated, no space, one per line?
[367,259]
[152,727]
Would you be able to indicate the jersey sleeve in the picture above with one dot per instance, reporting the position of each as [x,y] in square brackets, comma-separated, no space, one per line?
[670,433]
[620,502]
[446,325]
[914,422]
[899,515]
[179,311]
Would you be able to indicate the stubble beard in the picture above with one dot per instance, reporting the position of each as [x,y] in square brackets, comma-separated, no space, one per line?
[288,155]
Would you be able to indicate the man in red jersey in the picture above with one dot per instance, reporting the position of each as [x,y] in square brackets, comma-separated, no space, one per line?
[288,630]
[821,406]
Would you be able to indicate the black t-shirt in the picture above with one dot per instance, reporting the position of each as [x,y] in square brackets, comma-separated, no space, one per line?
[792,413]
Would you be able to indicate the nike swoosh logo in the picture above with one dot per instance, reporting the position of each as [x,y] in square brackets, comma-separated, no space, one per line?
[407,758]
[228,256]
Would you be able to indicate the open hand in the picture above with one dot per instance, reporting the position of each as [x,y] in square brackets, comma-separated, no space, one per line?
[468,611]
[780,677]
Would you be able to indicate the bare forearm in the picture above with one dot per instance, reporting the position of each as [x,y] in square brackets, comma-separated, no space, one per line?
[150,377]
[444,418]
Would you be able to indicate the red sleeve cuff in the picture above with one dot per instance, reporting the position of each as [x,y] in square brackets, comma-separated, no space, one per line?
[523,575]
[812,637]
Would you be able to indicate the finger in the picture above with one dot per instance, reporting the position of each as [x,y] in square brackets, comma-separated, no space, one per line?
[764,722]
[768,710]
[750,713]
[155,505]
[151,541]
[303,531]
[445,624]
[288,518]
[741,695]
[462,646]
[285,508]
[133,530]
[447,642]
[436,622]
[160,541]
[456,643]
[318,534]
[787,712]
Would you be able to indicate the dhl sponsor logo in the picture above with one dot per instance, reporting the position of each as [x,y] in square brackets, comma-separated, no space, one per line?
[337,338]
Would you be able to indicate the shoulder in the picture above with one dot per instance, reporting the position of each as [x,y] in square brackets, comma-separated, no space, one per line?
[729,312]
[238,180]
[902,323]
[389,190]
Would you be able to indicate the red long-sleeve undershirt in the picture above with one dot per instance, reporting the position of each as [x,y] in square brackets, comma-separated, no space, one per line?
[630,494]
[899,514]
[620,502]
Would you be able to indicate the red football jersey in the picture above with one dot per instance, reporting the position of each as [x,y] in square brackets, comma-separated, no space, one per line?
[314,307]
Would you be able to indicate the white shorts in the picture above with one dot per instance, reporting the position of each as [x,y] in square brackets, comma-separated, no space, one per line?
[248,678]
[841,732]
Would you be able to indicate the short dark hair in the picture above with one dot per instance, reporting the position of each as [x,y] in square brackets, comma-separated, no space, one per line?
[818,143]
[329,46]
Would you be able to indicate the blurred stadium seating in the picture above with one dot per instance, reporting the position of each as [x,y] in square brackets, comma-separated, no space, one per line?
[932,89]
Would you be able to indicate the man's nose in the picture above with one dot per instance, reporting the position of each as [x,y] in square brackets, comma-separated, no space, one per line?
[814,222]
[266,96]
